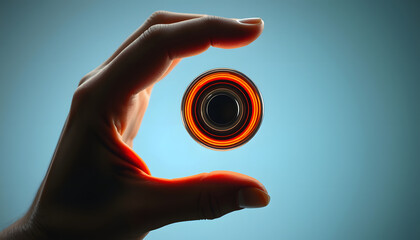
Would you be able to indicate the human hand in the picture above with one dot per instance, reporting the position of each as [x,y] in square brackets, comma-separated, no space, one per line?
[96,185]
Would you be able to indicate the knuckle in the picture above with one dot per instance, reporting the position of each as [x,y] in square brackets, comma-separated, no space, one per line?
[154,33]
[85,78]
[80,95]
[83,98]
[157,17]
[90,75]
[208,206]
[82,104]
[212,20]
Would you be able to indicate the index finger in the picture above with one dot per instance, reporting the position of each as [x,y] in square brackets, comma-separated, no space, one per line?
[158,17]
[145,60]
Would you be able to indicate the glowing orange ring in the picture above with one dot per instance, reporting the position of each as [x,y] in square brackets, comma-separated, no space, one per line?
[255,104]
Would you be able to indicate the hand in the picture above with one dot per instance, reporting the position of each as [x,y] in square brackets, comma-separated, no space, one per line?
[96,185]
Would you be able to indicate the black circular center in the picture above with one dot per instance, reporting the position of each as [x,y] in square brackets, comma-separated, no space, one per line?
[222,109]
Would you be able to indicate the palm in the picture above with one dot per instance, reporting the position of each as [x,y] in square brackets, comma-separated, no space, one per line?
[134,110]
[130,114]
[134,113]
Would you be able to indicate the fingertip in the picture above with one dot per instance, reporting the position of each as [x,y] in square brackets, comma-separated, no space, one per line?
[256,23]
[251,21]
[252,198]
[242,33]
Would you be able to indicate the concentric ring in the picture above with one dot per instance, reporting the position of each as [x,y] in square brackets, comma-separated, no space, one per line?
[242,109]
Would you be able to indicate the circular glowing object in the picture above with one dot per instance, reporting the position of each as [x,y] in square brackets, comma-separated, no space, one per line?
[222,109]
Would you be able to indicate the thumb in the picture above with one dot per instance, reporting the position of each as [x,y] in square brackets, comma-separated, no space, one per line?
[205,196]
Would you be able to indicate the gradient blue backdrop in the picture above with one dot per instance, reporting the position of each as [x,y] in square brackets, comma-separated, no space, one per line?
[338,149]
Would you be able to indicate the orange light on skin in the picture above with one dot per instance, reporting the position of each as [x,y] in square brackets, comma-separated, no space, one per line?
[255,103]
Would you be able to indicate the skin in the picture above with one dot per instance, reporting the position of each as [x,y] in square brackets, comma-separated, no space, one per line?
[96,185]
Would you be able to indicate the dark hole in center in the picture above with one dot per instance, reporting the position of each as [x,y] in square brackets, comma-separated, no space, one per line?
[222,109]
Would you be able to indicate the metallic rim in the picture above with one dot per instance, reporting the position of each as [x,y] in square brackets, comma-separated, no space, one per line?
[254,90]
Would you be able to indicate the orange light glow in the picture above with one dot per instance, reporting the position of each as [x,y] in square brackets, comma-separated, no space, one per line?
[208,139]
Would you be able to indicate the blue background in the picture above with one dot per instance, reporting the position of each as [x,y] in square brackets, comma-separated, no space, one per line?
[338,149]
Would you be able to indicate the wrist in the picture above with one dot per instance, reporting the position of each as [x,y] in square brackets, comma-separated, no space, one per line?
[22,229]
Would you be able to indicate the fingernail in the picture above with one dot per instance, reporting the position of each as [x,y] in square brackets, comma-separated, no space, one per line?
[252,198]
[250,20]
